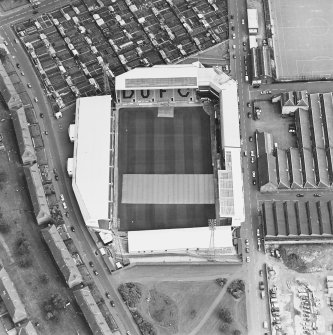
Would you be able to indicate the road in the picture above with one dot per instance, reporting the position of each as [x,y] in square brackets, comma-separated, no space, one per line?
[58,149]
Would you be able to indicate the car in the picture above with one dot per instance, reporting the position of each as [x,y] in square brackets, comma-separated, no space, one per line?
[18,65]
[265,324]
[243,21]
[252,153]
[72,229]
[112,303]
[35,12]
[29,85]
[249,115]
[41,115]
[15,40]
[247,259]
[246,242]
[96,252]
[64,205]
[5,42]
[56,177]
[261,285]
[317,195]
[22,73]
[95,272]
[244,49]
[251,139]
[46,132]
[233,36]
[234,46]
[299,195]
[231,17]
[67,214]
[35,99]
[258,232]
[263,92]
[268,92]
[245,154]
[107,294]
[253,174]
[232,28]
[91,264]
[244,43]
[234,56]
[249,104]
[247,249]
[128,332]
[252,159]
[254,182]
[62,198]
[260,273]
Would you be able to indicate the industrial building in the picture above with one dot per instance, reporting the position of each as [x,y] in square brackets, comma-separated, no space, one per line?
[120,200]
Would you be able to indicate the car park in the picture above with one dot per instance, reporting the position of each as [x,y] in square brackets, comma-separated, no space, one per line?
[72,229]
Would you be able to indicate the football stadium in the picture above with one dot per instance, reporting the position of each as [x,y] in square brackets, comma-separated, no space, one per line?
[165,160]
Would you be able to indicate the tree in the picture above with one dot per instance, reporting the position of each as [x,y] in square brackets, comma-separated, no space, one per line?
[237,332]
[3,175]
[131,293]
[225,315]
[25,262]
[44,278]
[193,313]
[22,246]
[224,327]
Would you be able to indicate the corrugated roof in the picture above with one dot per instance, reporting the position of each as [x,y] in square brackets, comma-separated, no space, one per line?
[302,218]
[23,137]
[325,218]
[291,219]
[329,155]
[295,171]
[37,195]
[91,312]
[303,128]
[321,168]
[280,218]
[62,256]
[282,169]
[316,122]
[267,173]
[264,143]
[11,298]
[313,218]
[327,110]
[307,168]
[268,218]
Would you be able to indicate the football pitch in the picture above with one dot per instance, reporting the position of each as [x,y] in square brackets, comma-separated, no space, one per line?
[149,144]
[302,42]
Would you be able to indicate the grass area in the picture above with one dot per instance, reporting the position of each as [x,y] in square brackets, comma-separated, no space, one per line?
[6,5]
[176,307]
[37,282]
[216,324]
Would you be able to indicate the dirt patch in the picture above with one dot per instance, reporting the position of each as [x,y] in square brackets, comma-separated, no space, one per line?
[163,310]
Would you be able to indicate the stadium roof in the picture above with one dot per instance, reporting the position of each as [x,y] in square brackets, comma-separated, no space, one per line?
[91,168]
[62,256]
[178,239]
[91,312]
[230,184]
[11,298]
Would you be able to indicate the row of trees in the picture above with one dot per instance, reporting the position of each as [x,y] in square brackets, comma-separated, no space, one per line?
[52,306]
[237,288]
[131,293]
[146,328]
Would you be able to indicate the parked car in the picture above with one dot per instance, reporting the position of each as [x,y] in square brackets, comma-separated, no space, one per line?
[317,195]
[5,42]
[247,259]
[249,104]
[15,40]
[64,205]
[18,65]
[233,36]
[253,174]
[29,85]
[247,249]
[246,242]
[251,139]
[95,272]
[300,195]
[91,264]
[35,99]
[254,182]
[249,115]
[252,153]
[261,285]
[234,56]
[67,214]
[252,159]
[260,273]
[62,198]
[41,115]
[22,73]
[107,294]
[243,21]
[46,132]
[112,303]
[232,28]
[72,229]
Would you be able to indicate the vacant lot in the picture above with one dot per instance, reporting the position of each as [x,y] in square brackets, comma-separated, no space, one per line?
[6,5]
[39,279]
[302,44]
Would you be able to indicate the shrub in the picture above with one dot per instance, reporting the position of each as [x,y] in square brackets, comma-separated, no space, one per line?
[4,228]
[225,315]
[25,262]
[44,278]
[131,293]
[237,332]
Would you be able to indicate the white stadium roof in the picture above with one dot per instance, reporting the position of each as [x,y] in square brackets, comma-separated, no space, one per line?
[178,239]
[92,157]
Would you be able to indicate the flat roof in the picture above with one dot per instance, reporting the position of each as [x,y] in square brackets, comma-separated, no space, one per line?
[178,239]
[91,163]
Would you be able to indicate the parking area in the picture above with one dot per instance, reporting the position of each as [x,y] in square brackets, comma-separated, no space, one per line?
[301,39]
[79,49]
[300,303]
